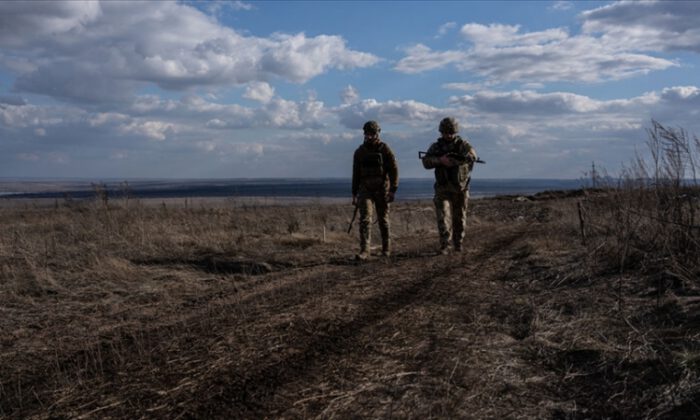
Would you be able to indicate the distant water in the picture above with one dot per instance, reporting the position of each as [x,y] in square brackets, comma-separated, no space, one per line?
[409,189]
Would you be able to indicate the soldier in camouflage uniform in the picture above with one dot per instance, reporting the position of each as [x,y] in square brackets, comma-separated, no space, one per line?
[452,157]
[375,179]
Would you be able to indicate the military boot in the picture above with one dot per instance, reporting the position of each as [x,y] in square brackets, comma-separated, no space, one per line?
[364,245]
[363,255]
[444,248]
[386,247]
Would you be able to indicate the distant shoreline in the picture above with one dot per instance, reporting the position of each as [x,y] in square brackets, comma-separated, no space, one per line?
[287,190]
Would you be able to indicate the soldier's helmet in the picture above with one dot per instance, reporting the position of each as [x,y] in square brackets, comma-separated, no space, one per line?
[449,126]
[371,127]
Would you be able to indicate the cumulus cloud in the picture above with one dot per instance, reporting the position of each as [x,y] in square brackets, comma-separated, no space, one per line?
[215,7]
[102,118]
[23,23]
[155,130]
[104,51]
[24,116]
[558,130]
[420,58]
[502,53]
[647,25]
[529,102]
[561,5]
[495,35]
[463,86]
[276,113]
[688,94]
[405,112]
[681,99]
[259,91]
[445,28]
[349,95]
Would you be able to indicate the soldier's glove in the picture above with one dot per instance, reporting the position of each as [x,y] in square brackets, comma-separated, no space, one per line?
[390,197]
[447,161]
[354,199]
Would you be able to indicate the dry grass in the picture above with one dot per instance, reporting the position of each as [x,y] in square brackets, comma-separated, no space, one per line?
[232,310]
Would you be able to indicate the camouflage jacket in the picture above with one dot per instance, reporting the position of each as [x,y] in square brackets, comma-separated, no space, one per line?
[374,168]
[456,177]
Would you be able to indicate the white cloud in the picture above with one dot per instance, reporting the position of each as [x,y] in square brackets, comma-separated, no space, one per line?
[281,113]
[647,25]
[683,93]
[463,86]
[23,116]
[215,7]
[322,137]
[445,28]
[103,118]
[241,5]
[103,51]
[501,53]
[298,58]
[155,130]
[561,5]
[405,112]
[556,131]
[23,23]
[486,36]
[259,91]
[529,103]
[349,95]
[420,58]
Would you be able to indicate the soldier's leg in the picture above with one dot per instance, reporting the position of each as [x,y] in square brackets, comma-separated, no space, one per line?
[459,218]
[442,212]
[383,221]
[365,204]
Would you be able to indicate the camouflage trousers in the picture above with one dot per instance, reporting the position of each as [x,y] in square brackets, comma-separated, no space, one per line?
[367,200]
[451,212]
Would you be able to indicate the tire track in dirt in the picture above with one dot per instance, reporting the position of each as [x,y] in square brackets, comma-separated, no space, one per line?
[249,388]
[411,342]
[254,392]
[251,393]
[208,317]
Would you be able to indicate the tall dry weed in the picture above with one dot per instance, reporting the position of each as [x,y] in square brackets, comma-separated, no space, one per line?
[648,217]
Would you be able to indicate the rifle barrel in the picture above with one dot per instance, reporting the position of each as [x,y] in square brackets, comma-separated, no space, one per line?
[421,155]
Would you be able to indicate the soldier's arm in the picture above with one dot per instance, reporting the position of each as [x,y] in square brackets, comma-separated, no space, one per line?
[471,153]
[355,173]
[431,161]
[468,152]
[392,169]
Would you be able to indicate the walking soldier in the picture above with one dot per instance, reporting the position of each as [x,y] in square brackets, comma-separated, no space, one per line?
[375,179]
[452,157]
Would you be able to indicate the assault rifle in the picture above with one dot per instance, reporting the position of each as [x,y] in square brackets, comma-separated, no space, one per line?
[452,155]
[354,215]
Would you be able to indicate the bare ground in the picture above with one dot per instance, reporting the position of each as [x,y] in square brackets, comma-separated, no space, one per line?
[248,313]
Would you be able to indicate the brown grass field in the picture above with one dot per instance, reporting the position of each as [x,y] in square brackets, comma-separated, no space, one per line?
[258,310]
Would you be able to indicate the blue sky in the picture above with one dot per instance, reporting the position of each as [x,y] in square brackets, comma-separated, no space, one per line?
[281,89]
